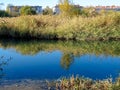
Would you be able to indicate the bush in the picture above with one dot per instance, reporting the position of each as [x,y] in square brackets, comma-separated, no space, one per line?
[101,27]
[47,11]
[27,10]
[4,14]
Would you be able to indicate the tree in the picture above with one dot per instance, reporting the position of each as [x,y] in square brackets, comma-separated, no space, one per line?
[65,7]
[8,10]
[27,10]
[47,11]
[89,12]
[3,14]
[76,11]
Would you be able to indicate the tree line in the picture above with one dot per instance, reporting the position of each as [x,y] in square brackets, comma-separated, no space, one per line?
[66,7]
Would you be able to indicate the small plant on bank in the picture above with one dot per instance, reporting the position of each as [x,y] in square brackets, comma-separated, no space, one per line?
[76,83]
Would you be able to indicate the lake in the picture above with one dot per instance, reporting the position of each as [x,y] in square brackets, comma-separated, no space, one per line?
[41,60]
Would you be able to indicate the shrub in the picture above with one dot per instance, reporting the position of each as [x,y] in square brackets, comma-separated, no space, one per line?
[101,27]
[27,10]
[4,14]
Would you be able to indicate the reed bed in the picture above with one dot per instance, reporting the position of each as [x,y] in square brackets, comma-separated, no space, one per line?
[101,27]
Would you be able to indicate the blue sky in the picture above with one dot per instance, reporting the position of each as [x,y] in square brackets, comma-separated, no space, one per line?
[52,3]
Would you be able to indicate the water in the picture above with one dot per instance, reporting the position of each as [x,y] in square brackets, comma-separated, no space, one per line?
[54,59]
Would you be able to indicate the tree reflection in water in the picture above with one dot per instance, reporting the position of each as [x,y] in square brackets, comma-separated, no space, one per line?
[70,49]
[66,60]
[77,48]
[3,62]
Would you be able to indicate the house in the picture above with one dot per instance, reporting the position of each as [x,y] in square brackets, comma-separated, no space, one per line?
[107,8]
[38,9]
[56,10]
[15,10]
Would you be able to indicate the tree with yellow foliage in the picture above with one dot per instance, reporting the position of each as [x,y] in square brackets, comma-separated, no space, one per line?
[65,7]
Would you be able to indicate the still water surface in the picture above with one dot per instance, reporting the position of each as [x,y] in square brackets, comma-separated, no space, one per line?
[55,59]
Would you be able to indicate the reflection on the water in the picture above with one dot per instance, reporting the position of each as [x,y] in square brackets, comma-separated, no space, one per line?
[77,48]
[66,60]
[3,62]
[70,49]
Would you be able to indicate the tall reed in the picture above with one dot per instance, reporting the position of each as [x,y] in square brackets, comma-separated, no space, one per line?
[102,27]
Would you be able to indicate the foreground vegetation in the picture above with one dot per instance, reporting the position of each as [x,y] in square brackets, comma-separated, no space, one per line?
[72,83]
[76,83]
[101,27]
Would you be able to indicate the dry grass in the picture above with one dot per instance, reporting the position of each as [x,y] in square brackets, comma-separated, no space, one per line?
[102,27]
[76,83]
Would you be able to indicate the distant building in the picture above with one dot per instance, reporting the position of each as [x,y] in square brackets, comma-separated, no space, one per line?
[38,9]
[56,9]
[15,10]
[107,8]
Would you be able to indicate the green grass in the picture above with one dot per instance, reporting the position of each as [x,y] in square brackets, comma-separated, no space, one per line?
[101,27]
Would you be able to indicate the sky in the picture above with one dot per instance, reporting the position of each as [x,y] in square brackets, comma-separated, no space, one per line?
[52,3]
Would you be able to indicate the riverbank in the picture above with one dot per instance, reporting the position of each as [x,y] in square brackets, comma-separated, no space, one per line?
[81,83]
[101,27]
[23,85]
[62,84]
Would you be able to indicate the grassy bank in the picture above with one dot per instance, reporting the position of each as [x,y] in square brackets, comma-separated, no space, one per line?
[72,83]
[102,27]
